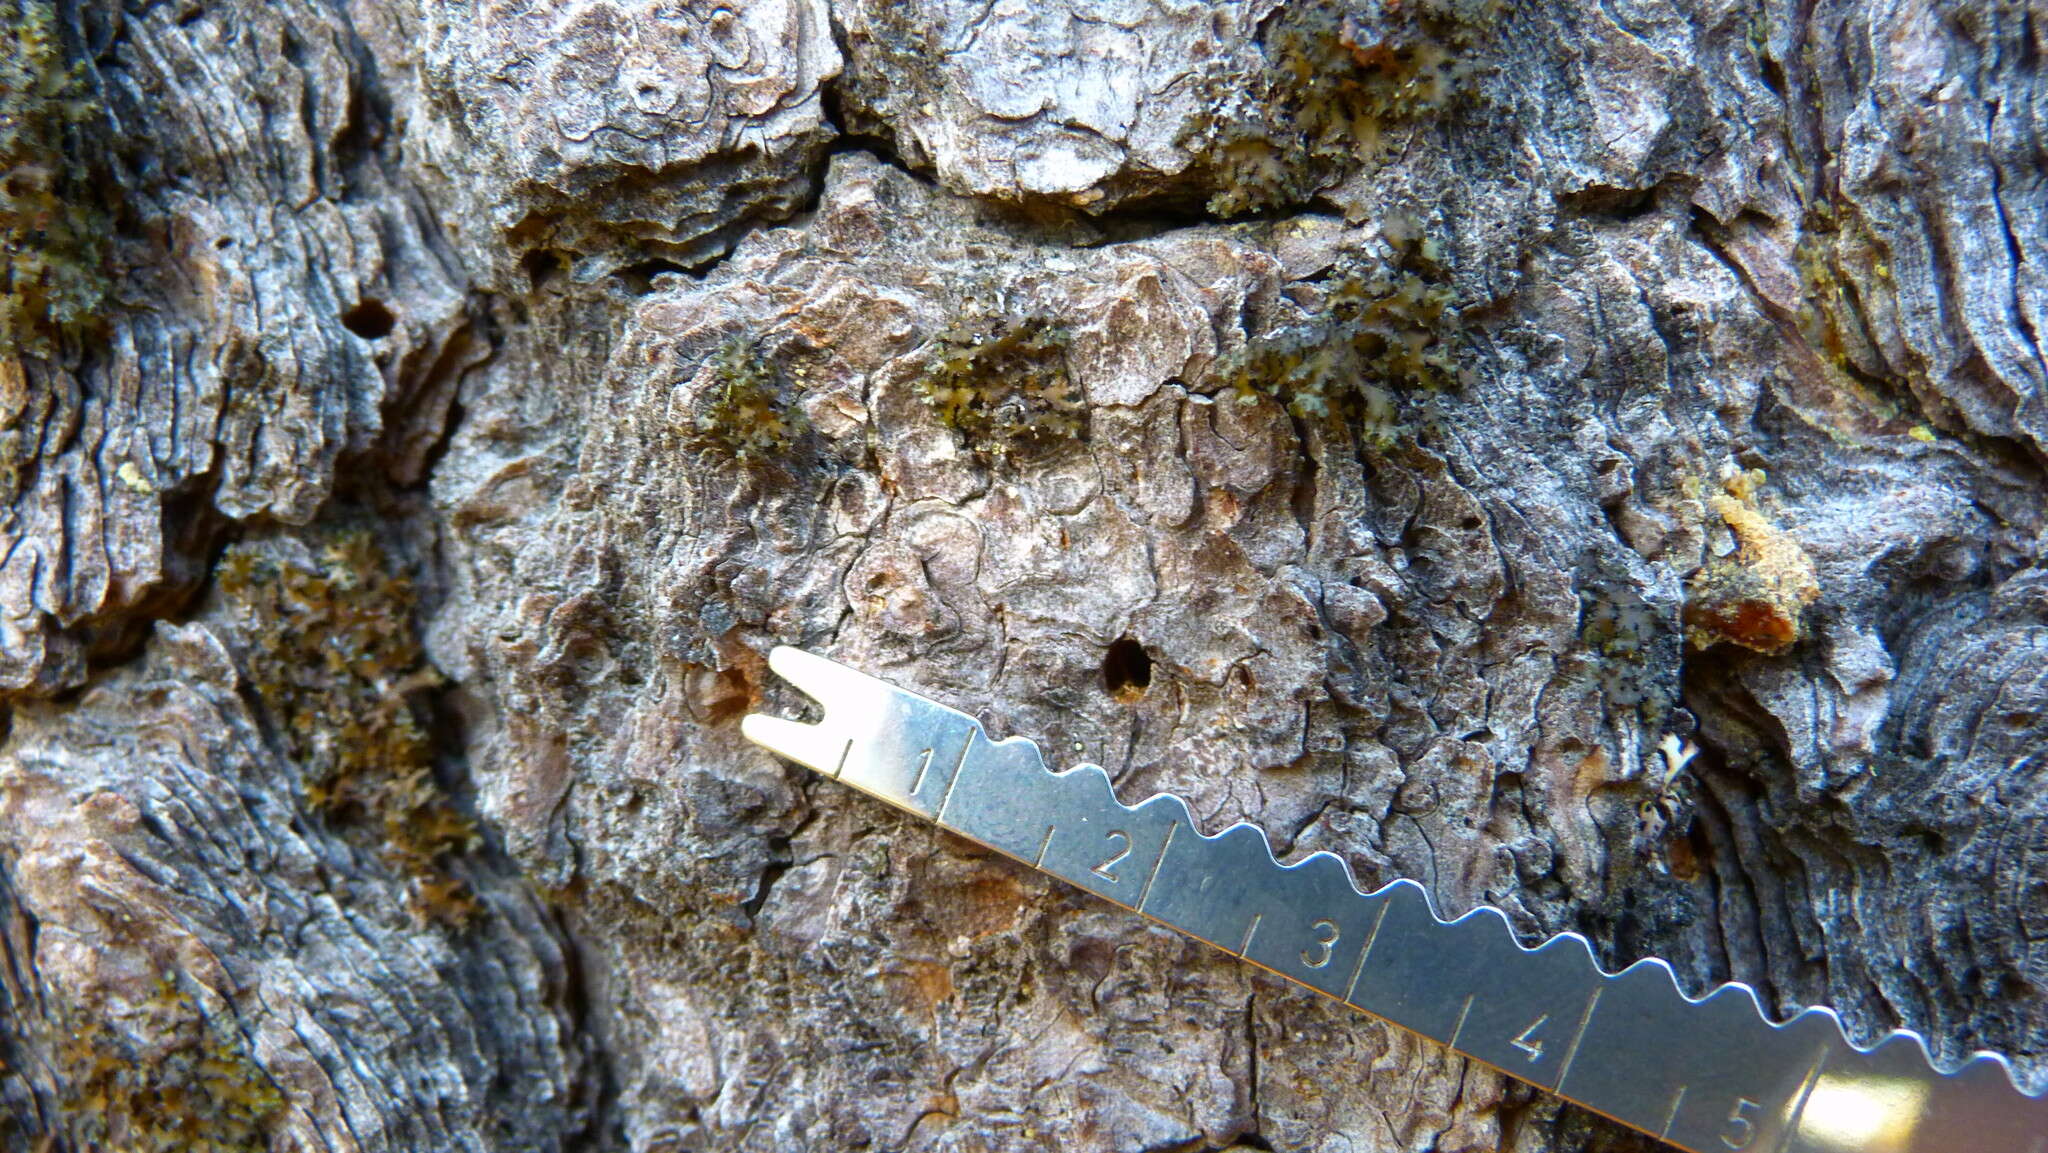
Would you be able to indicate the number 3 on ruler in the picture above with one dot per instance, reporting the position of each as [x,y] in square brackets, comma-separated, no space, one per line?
[1318,955]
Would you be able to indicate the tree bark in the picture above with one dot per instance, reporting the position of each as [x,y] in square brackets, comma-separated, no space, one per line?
[1588,458]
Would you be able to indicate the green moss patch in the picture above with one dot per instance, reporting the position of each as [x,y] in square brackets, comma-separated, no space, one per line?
[1382,328]
[332,652]
[184,1083]
[51,233]
[1004,386]
[1337,75]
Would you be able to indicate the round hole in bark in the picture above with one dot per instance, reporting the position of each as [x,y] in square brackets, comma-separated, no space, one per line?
[542,267]
[369,320]
[1126,670]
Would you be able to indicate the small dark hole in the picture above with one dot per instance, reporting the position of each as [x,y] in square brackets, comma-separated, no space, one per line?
[643,278]
[1126,670]
[1773,75]
[542,267]
[369,320]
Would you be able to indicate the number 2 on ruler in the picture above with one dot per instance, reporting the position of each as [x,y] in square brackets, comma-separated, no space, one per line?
[1103,870]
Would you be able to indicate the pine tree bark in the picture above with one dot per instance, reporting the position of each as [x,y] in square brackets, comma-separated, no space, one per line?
[1590,459]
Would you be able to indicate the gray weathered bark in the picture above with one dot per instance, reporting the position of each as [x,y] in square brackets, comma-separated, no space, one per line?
[481,388]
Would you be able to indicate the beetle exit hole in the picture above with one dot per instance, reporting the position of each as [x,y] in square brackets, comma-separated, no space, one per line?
[1126,670]
[369,319]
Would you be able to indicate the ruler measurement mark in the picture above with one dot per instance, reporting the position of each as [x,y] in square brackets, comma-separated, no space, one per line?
[1249,930]
[965,748]
[1528,1042]
[1571,1052]
[1370,938]
[1799,1103]
[1671,1117]
[924,765]
[1038,862]
[1164,845]
[1460,1026]
[845,751]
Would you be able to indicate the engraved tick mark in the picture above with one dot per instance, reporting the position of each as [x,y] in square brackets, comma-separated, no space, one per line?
[923,766]
[1572,1051]
[1370,938]
[966,747]
[1249,930]
[1038,862]
[1671,1117]
[1460,1026]
[1799,1103]
[845,751]
[1168,843]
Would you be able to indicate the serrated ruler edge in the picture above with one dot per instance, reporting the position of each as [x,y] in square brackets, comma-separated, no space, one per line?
[1711,1074]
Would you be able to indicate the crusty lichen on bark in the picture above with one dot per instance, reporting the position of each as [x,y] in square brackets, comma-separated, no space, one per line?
[490,239]
[1384,327]
[1004,385]
[744,411]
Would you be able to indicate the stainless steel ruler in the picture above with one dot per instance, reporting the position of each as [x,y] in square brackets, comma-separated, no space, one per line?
[1712,1075]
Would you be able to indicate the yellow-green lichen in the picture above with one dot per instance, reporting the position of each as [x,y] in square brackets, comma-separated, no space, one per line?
[1004,386]
[178,1079]
[1382,328]
[1336,74]
[51,279]
[744,413]
[332,652]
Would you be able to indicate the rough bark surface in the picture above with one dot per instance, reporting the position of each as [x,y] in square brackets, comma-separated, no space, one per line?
[523,372]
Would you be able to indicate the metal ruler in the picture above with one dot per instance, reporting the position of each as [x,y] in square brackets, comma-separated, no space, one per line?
[1712,1075]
